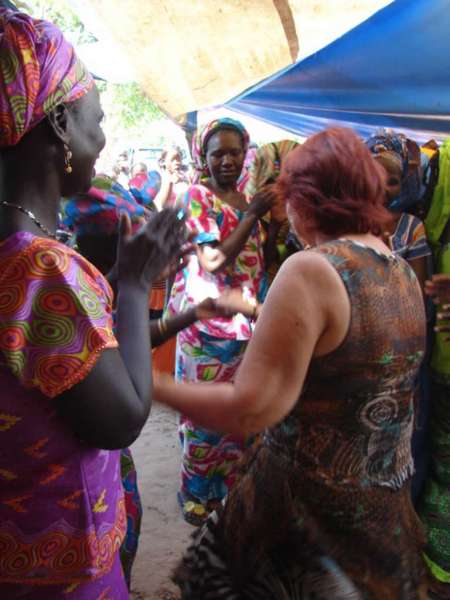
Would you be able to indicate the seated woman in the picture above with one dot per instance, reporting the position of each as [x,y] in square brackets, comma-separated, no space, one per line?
[73,392]
[321,507]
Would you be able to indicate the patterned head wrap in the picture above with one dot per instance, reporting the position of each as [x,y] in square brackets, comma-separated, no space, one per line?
[145,188]
[200,141]
[266,165]
[98,211]
[38,71]
[396,147]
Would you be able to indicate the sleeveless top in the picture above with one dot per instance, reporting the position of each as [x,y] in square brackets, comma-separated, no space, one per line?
[353,422]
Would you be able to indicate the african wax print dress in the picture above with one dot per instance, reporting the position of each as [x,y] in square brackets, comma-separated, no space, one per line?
[211,351]
[62,515]
[434,505]
[321,506]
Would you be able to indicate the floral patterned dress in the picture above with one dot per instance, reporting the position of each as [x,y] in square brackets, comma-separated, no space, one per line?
[212,350]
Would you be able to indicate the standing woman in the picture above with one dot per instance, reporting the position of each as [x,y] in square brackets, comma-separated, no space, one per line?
[72,392]
[321,508]
[264,170]
[230,256]
[174,179]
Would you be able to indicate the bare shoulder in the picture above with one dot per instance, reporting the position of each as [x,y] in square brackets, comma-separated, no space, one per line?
[311,268]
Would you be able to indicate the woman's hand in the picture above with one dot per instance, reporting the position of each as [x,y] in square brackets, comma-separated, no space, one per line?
[143,256]
[438,288]
[262,202]
[442,321]
[278,212]
[226,305]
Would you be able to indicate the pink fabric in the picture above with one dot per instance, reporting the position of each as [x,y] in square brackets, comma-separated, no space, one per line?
[213,221]
[38,70]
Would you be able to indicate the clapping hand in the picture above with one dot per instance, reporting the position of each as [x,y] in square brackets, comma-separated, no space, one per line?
[142,257]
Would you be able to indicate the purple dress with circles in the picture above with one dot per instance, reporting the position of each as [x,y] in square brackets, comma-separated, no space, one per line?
[62,517]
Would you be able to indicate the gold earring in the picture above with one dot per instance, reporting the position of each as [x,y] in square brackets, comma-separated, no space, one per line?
[67,156]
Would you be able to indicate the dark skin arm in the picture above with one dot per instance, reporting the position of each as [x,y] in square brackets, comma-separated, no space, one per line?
[227,305]
[419,266]
[270,247]
[110,406]
[214,258]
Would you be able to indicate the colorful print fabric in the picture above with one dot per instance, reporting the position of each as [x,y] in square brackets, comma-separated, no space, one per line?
[214,220]
[39,70]
[145,188]
[265,169]
[111,586]
[98,211]
[266,165]
[62,517]
[409,239]
[133,508]
[209,459]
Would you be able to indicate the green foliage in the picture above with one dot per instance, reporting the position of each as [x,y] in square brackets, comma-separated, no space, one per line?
[135,107]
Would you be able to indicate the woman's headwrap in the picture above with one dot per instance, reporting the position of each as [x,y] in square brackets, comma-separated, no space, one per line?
[200,141]
[98,211]
[266,165]
[145,188]
[38,70]
[389,143]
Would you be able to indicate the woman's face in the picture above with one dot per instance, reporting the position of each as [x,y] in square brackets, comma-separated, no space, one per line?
[225,157]
[393,185]
[86,141]
[173,162]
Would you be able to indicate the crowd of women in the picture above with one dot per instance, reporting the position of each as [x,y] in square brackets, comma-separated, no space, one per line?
[311,371]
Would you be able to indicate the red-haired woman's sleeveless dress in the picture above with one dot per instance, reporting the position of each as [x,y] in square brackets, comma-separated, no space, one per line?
[321,508]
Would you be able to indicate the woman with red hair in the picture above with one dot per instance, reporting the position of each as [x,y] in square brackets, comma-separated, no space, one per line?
[322,505]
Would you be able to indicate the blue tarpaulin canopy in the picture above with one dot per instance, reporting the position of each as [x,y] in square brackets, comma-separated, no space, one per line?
[393,70]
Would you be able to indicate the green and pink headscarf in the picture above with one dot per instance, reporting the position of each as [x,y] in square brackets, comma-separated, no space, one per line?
[38,70]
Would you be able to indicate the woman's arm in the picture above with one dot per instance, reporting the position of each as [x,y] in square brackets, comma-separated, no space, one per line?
[214,258]
[419,266]
[288,334]
[110,406]
[165,191]
[271,254]
[228,304]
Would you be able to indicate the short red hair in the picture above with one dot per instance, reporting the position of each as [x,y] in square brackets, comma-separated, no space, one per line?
[333,184]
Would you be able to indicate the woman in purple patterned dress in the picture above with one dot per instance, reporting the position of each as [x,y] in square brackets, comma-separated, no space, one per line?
[73,393]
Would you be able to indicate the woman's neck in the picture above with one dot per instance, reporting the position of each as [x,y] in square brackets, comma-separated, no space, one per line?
[229,195]
[39,196]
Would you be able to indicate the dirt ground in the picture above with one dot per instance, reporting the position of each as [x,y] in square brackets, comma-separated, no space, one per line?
[164,534]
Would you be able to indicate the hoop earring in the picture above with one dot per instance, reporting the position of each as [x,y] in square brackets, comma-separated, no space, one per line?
[67,156]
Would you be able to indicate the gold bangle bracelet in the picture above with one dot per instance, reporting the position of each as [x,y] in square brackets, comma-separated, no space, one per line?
[162,326]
